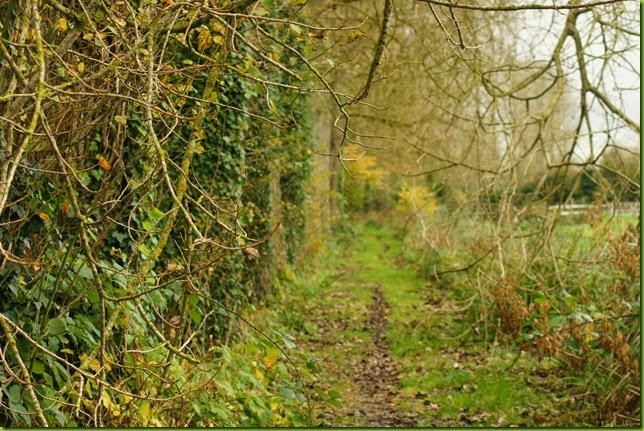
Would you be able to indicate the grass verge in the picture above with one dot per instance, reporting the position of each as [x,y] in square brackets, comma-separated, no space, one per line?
[453,370]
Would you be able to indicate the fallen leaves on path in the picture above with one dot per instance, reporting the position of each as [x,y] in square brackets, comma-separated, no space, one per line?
[351,341]
[445,374]
[377,375]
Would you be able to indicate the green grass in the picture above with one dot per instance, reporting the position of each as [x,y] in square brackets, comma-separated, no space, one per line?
[326,309]
[452,380]
[450,373]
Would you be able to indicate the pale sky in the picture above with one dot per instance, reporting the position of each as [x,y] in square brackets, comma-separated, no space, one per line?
[624,74]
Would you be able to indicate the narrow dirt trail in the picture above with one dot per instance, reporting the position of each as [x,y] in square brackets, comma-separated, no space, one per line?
[361,364]
[398,350]
[377,376]
[350,337]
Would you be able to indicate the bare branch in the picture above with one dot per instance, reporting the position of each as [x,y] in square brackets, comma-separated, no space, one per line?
[528,6]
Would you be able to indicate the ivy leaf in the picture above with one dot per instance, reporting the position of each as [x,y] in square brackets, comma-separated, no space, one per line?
[144,249]
[119,236]
[156,214]
[93,297]
[60,417]
[120,119]
[195,315]
[86,272]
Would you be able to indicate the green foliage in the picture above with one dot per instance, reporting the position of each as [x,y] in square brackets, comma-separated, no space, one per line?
[583,186]
[364,184]
[250,384]
[577,304]
[125,229]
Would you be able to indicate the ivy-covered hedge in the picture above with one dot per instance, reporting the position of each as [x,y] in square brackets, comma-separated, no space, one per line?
[159,176]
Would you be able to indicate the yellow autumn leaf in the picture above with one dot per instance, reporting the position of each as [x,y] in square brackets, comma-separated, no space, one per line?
[174,267]
[31,35]
[62,24]
[44,216]
[144,413]
[106,400]
[271,358]
[120,21]
[94,364]
[104,163]
[217,27]
[416,199]
[368,168]
[355,35]
[275,406]
[204,39]
[80,67]
[113,407]
[68,351]
[259,374]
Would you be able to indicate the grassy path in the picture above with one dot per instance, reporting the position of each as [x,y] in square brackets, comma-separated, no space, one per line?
[396,350]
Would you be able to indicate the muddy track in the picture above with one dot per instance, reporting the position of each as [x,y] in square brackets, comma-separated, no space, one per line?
[376,376]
